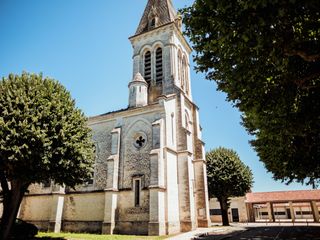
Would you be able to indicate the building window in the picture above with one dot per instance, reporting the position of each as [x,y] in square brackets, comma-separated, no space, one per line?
[172,128]
[215,211]
[183,72]
[279,213]
[156,136]
[303,212]
[306,212]
[188,122]
[264,213]
[180,69]
[114,142]
[186,75]
[137,192]
[152,18]
[139,140]
[159,66]
[147,67]
[152,23]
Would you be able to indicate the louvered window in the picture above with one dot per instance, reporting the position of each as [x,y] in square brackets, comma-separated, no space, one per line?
[159,66]
[147,67]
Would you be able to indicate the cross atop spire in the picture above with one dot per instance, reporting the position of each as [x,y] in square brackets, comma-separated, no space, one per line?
[156,13]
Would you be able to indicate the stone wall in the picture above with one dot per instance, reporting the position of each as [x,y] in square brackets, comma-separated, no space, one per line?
[36,208]
[84,207]
[102,138]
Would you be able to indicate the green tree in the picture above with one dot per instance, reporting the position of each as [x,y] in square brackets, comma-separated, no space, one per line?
[227,177]
[265,54]
[43,136]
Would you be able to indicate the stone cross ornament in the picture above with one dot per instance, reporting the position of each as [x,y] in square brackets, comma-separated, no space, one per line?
[140,141]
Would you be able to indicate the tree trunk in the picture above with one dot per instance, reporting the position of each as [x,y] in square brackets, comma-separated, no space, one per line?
[11,204]
[224,211]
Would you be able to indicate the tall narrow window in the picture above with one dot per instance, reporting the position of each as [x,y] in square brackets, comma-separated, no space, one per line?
[159,66]
[172,128]
[187,83]
[183,73]
[147,67]
[187,119]
[180,70]
[152,23]
[137,192]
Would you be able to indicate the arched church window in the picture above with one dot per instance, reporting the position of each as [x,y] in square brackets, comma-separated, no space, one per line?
[137,190]
[185,74]
[159,66]
[187,82]
[187,120]
[172,128]
[180,70]
[147,67]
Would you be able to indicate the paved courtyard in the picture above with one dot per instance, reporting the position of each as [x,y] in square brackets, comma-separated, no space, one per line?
[268,233]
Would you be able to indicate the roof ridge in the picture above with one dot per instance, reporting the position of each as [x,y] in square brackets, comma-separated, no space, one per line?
[303,190]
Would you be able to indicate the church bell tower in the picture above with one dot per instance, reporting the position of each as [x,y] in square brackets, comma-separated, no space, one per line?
[161,62]
[161,53]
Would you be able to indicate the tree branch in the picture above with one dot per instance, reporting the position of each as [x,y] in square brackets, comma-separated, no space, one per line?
[302,54]
[302,82]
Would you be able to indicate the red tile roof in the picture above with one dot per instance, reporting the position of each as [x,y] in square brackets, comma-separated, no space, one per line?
[283,196]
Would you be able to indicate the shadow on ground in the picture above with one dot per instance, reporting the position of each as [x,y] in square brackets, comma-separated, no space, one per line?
[39,238]
[48,238]
[268,232]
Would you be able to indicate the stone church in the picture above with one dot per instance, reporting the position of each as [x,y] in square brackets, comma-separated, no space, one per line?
[150,170]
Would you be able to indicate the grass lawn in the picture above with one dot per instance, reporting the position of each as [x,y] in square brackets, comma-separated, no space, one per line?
[80,236]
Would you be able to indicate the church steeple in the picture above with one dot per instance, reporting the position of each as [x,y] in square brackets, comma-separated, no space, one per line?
[156,13]
[160,51]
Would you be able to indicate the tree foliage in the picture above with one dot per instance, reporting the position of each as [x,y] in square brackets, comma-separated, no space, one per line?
[227,177]
[265,54]
[43,136]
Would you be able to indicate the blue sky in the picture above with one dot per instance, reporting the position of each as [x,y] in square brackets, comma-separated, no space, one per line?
[84,44]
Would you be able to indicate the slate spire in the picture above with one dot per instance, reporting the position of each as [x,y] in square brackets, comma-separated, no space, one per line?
[156,14]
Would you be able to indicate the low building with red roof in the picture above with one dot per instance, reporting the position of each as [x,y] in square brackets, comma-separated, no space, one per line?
[295,206]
